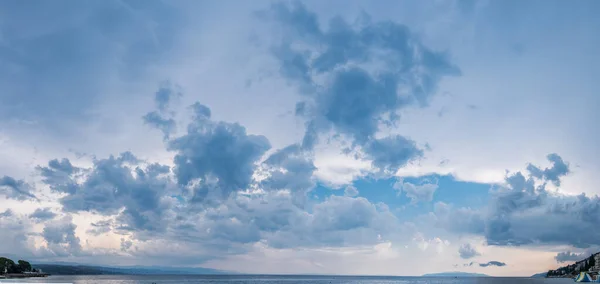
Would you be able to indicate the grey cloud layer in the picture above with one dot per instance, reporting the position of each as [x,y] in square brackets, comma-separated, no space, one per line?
[570,256]
[76,55]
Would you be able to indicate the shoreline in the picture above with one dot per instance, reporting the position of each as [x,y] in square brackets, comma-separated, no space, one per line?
[23,275]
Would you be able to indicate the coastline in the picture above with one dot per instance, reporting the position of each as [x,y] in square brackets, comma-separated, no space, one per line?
[23,275]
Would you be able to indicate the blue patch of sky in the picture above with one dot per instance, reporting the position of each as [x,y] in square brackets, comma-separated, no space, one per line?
[450,191]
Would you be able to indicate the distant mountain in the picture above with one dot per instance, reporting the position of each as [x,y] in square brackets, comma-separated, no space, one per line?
[539,275]
[73,269]
[172,270]
[455,274]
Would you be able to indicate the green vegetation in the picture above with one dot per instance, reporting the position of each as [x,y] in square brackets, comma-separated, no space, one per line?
[24,266]
[9,266]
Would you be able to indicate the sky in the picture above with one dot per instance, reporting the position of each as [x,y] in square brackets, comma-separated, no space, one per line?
[328,137]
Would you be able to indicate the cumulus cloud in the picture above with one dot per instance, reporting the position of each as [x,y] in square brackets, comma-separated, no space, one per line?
[220,156]
[21,238]
[125,244]
[417,193]
[357,77]
[460,220]
[523,212]
[290,168]
[568,256]
[215,167]
[559,169]
[224,194]
[467,251]
[275,218]
[162,118]
[100,227]
[59,175]
[166,95]
[351,191]
[15,189]
[61,238]
[15,237]
[115,185]
[42,214]
[6,213]
[166,125]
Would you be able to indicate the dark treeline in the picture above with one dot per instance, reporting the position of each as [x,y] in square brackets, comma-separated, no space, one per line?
[7,265]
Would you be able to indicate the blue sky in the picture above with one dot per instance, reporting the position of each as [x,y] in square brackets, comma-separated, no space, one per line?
[332,137]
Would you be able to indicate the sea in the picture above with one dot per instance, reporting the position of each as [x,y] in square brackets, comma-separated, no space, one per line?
[270,279]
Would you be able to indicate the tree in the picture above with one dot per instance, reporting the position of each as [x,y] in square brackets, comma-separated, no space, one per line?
[24,266]
[7,265]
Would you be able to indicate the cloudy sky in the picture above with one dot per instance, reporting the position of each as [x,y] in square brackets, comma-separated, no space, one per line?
[330,137]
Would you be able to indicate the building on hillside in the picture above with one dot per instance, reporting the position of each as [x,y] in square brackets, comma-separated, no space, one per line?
[596,266]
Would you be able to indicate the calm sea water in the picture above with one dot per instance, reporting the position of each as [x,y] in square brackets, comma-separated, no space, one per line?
[238,279]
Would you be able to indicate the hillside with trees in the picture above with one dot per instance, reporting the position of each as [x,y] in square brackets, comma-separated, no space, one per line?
[590,264]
